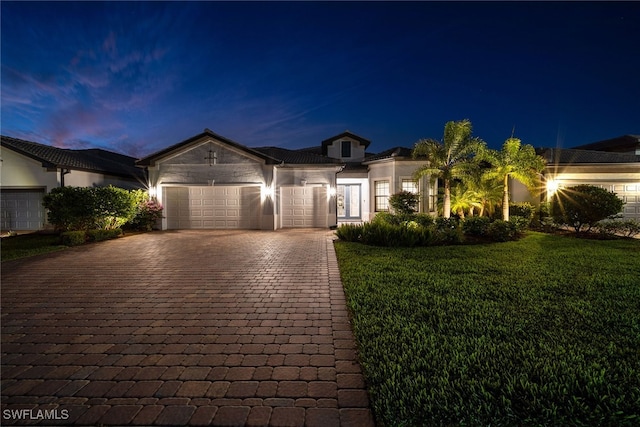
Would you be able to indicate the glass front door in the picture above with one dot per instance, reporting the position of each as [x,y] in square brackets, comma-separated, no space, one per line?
[348,201]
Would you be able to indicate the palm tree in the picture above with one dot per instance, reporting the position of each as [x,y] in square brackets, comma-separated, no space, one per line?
[489,193]
[516,161]
[463,197]
[450,158]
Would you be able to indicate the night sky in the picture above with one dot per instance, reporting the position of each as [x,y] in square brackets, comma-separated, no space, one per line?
[137,77]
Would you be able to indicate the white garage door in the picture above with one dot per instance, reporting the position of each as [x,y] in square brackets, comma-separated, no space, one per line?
[21,210]
[630,193]
[304,206]
[212,207]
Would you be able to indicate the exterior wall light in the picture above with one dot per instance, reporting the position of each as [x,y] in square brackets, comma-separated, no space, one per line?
[552,186]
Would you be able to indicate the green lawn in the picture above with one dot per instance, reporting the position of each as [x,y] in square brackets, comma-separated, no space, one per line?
[542,331]
[28,245]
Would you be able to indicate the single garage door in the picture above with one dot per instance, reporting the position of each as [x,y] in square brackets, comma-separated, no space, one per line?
[630,194]
[22,209]
[212,207]
[304,207]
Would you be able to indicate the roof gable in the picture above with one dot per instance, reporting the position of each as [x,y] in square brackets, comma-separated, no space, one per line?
[345,134]
[197,141]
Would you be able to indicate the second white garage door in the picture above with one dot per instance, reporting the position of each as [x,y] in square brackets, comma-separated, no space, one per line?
[304,207]
[212,207]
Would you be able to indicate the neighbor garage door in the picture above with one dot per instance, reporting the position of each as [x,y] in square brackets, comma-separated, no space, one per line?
[212,207]
[630,193]
[22,209]
[304,206]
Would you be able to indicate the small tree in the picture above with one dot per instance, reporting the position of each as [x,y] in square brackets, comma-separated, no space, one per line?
[404,202]
[584,205]
[70,208]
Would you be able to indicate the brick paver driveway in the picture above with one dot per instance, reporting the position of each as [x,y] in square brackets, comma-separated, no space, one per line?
[175,328]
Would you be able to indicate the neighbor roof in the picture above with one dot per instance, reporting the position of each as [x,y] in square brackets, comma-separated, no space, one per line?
[621,144]
[90,160]
[580,156]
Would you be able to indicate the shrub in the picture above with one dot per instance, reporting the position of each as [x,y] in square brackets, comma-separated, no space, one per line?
[584,205]
[349,232]
[83,208]
[404,202]
[447,231]
[520,223]
[70,208]
[523,210]
[73,238]
[113,207]
[424,219]
[476,225]
[502,231]
[623,227]
[100,235]
[148,212]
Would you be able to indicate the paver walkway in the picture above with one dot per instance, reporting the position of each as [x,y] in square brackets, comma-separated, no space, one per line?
[178,328]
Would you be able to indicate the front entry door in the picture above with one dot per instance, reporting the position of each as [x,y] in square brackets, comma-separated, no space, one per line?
[349,201]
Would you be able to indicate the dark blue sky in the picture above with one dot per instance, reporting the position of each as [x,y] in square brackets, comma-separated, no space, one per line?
[137,77]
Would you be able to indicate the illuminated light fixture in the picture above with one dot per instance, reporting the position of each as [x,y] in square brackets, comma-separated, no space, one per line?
[552,186]
[332,191]
[153,191]
[267,191]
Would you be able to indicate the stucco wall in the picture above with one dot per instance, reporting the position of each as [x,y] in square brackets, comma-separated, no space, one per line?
[334,150]
[18,171]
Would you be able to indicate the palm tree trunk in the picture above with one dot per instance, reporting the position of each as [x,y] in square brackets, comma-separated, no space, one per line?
[446,209]
[505,199]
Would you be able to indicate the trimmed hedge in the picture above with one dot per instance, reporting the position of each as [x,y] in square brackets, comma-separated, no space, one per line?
[423,230]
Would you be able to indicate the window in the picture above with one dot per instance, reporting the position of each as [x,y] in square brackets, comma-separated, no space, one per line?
[346,148]
[410,185]
[381,196]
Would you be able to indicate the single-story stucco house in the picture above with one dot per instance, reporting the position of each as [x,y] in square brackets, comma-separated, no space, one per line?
[613,164]
[209,181]
[29,170]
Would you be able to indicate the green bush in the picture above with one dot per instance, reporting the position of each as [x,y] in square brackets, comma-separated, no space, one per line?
[476,225]
[70,208]
[148,211]
[404,202]
[523,209]
[424,219]
[447,231]
[73,238]
[100,235]
[502,231]
[521,223]
[84,208]
[623,227]
[349,232]
[583,206]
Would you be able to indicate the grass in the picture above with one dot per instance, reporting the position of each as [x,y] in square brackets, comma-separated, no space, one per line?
[542,331]
[26,245]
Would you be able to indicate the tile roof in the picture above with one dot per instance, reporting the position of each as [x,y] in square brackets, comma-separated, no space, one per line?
[299,157]
[575,156]
[91,160]
[624,143]
[390,153]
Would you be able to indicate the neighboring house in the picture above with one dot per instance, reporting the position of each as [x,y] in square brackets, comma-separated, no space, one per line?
[209,181]
[613,164]
[30,170]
